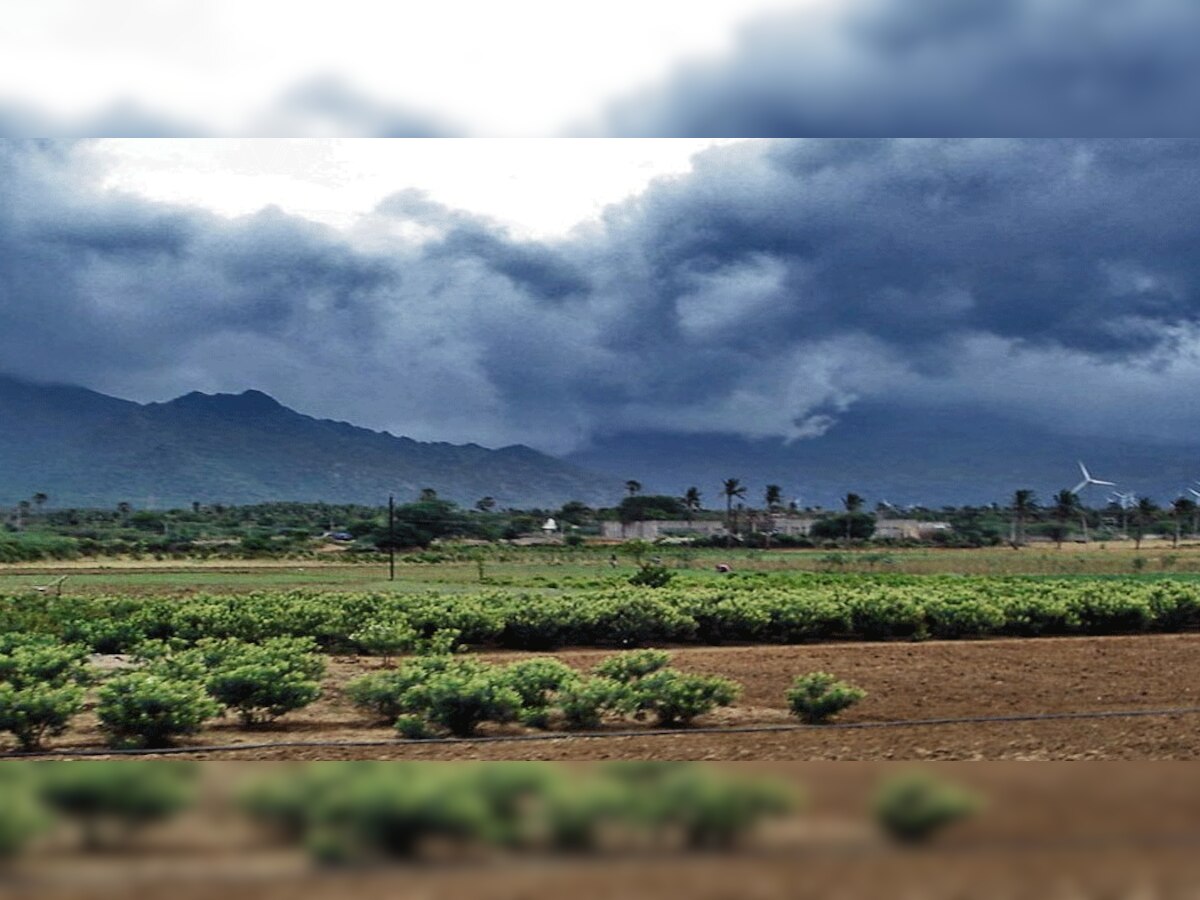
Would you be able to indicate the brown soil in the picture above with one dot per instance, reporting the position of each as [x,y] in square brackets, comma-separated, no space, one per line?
[904,681]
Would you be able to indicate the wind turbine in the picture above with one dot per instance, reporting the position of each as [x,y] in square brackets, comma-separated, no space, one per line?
[1088,480]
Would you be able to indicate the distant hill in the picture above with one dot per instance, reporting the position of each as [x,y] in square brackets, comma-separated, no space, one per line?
[930,457]
[84,448]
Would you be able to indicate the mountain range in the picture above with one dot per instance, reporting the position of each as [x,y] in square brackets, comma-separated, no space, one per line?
[84,448]
[87,449]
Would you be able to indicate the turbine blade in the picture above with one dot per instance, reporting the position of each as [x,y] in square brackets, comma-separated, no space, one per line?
[1098,481]
[1079,487]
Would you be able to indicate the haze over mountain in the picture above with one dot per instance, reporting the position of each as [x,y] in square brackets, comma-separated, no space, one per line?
[83,448]
[907,456]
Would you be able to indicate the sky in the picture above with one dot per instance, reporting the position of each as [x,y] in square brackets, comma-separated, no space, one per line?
[760,288]
[524,68]
[618,68]
[536,188]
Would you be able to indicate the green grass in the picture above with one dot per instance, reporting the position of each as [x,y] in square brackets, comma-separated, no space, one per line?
[564,571]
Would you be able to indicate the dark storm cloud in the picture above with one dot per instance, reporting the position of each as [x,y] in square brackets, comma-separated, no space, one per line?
[945,67]
[766,292]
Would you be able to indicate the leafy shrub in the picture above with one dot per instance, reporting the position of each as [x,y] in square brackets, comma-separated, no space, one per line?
[142,709]
[40,687]
[818,696]
[633,664]
[22,818]
[584,701]
[31,714]
[709,810]
[460,701]
[383,693]
[383,812]
[537,682]
[30,660]
[263,682]
[111,800]
[386,638]
[412,727]
[675,699]
[914,807]
[652,576]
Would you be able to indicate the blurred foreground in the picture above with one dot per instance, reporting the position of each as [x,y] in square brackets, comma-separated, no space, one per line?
[150,829]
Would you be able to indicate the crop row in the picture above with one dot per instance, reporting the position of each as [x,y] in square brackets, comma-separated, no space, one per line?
[363,812]
[754,611]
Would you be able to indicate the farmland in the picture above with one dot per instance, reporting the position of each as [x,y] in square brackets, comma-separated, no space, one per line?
[1097,636]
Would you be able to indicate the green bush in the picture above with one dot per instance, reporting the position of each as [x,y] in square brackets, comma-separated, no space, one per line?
[386,638]
[652,576]
[536,681]
[382,812]
[914,807]
[142,709]
[383,693]
[412,727]
[709,810]
[633,664]
[460,701]
[584,702]
[31,714]
[818,696]
[262,682]
[31,660]
[675,698]
[22,817]
[41,687]
[112,800]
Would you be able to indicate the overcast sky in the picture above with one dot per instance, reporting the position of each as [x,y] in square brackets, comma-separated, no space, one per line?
[473,293]
[625,68]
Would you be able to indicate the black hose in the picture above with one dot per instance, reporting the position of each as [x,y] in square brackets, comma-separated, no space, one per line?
[635,733]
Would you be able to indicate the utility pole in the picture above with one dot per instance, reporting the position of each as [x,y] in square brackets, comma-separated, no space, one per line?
[391,537]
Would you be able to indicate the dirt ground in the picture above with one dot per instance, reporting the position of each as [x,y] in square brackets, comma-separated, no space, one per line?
[904,681]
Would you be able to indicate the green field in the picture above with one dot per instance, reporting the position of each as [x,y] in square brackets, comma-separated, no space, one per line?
[558,570]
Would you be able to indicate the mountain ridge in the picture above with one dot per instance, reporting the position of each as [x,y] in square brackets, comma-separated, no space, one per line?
[85,448]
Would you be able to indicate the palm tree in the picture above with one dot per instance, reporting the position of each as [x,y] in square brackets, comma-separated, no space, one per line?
[691,500]
[853,503]
[634,487]
[1024,503]
[1144,513]
[732,489]
[1181,508]
[773,497]
[39,499]
[1066,505]
[485,504]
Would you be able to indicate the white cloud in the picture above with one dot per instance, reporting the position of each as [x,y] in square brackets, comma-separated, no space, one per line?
[537,187]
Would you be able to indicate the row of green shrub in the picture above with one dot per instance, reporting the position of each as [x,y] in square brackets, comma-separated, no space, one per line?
[172,693]
[362,812]
[818,607]
[457,694]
